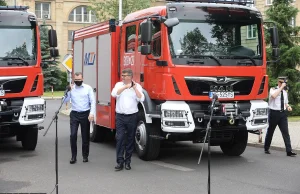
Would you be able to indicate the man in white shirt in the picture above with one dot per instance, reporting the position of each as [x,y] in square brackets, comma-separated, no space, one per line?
[278,104]
[128,94]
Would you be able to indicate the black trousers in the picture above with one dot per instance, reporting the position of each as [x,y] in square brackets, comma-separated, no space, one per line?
[81,118]
[280,119]
[125,124]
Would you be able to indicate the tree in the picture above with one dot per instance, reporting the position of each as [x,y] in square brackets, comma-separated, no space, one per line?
[193,43]
[105,10]
[20,51]
[52,74]
[281,13]
[2,3]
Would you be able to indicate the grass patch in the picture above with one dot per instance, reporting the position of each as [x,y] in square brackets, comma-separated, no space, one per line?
[294,118]
[55,94]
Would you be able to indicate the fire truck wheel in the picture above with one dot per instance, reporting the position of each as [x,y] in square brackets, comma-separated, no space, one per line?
[146,147]
[237,146]
[30,137]
[97,133]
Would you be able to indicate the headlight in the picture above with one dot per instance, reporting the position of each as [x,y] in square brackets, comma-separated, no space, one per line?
[261,111]
[36,108]
[174,113]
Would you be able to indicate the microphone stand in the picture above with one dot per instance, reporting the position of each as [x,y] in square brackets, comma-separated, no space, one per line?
[55,118]
[208,132]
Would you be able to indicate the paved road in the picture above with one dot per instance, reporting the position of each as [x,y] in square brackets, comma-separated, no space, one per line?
[176,171]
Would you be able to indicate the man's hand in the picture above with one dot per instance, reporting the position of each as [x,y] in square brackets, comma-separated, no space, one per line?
[283,85]
[128,85]
[91,117]
[289,108]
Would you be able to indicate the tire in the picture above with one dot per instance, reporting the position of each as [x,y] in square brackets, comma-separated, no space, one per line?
[30,137]
[100,134]
[237,146]
[146,147]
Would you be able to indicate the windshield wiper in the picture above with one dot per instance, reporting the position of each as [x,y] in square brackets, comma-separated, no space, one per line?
[199,56]
[210,56]
[15,58]
[243,57]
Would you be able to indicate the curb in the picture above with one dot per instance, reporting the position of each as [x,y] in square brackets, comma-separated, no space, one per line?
[277,148]
[50,98]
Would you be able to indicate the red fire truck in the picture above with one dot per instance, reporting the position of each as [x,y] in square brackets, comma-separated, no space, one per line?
[182,53]
[21,78]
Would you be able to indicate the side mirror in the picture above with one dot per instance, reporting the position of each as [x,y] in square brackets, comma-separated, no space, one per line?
[146,32]
[274,37]
[52,37]
[171,22]
[54,52]
[146,49]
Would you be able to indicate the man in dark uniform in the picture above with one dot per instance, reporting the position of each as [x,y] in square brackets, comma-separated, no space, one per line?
[278,104]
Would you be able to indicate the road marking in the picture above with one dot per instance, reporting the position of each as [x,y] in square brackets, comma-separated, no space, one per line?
[172,166]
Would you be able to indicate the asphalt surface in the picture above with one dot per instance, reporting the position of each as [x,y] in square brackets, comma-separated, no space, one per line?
[175,171]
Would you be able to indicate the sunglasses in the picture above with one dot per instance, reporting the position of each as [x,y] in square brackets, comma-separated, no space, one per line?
[125,75]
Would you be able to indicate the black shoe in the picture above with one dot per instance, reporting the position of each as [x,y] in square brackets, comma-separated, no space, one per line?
[85,159]
[291,154]
[267,152]
[127,166]
[119,167]
[73,160]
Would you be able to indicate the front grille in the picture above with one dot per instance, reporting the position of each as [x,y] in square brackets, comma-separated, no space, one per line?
[201,86]
[13,84]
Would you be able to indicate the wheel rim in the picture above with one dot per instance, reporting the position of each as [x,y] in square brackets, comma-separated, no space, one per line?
[91,127]
[141,135]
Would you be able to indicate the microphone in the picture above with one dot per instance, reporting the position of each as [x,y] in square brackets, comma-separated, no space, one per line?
[68,88]
[214,99]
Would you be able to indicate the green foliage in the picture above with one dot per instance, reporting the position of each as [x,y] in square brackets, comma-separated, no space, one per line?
[281,13]
[20,51]
[2,3]
[105,10]
[51,71]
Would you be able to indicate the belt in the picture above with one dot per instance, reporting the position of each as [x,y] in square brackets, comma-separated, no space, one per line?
[277,110]
[126,114]
[80,112]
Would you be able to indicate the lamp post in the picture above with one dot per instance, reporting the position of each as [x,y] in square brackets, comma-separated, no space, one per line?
[120,12]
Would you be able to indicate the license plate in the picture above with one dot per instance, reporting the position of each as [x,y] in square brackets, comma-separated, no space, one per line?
[222,94]
[2,93]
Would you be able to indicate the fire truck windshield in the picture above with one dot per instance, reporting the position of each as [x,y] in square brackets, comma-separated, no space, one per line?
[18,46]
[216,38]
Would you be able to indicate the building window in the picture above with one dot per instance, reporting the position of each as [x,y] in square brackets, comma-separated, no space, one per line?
[42,10]
[82,15]
[292,22]
[269,2]
[70,39]
[250,4]
[251,31]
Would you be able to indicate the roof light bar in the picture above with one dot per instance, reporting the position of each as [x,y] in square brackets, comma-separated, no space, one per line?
[239,2]
[18,8]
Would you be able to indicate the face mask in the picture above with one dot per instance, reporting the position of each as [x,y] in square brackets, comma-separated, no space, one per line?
[78,83]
